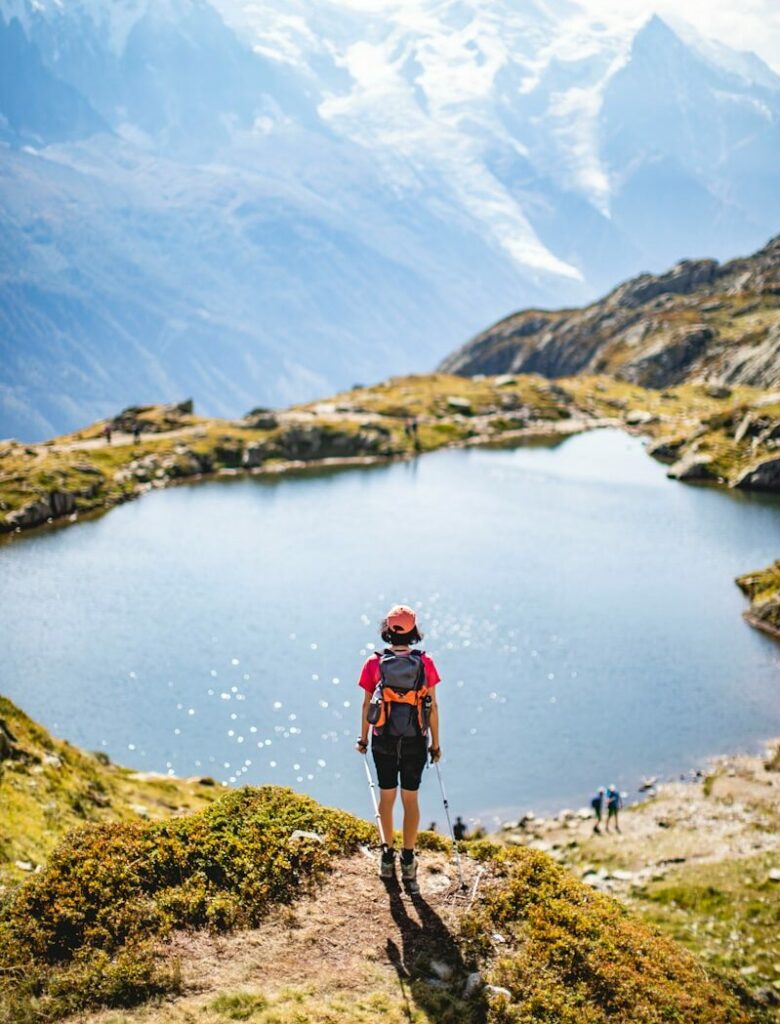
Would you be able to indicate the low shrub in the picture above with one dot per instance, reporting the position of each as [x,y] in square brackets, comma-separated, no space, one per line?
[86,930]
[573,956]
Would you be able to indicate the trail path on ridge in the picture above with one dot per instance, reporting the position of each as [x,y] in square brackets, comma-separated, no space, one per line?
[356,950]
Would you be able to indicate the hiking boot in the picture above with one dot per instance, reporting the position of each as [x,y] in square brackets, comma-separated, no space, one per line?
[409,869]
[387,864]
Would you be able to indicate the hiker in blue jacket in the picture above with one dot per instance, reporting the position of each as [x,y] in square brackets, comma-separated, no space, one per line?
[614,804]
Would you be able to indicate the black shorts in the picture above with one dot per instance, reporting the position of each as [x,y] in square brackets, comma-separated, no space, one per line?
[403,757]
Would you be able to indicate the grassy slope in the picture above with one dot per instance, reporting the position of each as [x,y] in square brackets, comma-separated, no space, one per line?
[48,787]
[698,861]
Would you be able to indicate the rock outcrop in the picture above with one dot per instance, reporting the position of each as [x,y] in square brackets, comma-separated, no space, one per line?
[699,321]
[763,589]
[39,511]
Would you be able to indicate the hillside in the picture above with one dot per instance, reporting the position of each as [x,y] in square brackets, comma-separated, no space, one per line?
[699,321]
[48,787]
[242,910]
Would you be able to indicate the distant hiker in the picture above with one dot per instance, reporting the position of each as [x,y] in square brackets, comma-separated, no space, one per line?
[614,804]
[460,828]
[597,803]
[399,706]
[107,432]
[432,827]
[136,432]
[410,429]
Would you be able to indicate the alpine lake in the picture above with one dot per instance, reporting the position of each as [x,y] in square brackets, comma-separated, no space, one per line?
[580,607]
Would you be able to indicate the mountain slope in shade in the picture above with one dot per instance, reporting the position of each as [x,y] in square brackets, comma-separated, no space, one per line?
[700,320]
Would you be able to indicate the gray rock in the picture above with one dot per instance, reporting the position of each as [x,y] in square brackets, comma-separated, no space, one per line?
[498,990]
[774,875]
[693,467]
[302,834]
[255,454]
[473,983]
[666,449]
[717,390]
[461,405]
[640,418]
[764,477]
[505,380]
[441,970]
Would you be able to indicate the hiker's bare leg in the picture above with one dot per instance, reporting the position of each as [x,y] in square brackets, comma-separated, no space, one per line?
[411,817]
[386,801]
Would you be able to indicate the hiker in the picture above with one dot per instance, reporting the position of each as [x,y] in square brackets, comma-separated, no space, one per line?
[597,803]
[399,704]
[107,432]
[136,432]
[460,828]
[614,804]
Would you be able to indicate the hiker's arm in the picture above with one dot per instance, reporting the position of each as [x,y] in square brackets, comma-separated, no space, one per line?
[433,721]
[364,719]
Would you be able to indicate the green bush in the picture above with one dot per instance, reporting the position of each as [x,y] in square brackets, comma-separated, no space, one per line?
[573,956]
[82,932]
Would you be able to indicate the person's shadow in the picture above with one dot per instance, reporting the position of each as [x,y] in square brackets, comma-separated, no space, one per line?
[424,941]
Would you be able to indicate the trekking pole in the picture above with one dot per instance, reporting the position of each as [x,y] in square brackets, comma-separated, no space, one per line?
[449,822]
[372,790]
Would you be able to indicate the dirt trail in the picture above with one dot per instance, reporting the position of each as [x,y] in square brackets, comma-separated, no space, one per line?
[358,949]
[118,440]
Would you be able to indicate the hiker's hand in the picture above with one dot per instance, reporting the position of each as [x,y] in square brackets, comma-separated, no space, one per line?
[435,753]
[361,746]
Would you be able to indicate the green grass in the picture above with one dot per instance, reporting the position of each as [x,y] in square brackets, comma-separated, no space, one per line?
[728,913]
[573,956]
[49,787]
[86,930]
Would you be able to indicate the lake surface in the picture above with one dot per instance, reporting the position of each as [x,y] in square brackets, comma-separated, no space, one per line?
[580,606]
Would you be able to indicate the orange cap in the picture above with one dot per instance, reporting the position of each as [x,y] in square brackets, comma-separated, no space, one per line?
[401,619]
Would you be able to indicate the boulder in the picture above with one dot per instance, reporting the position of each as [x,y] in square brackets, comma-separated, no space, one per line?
[255,454]
[61,503]
[40,510]
[229,453]
[717,390]
[693,467]
[667,449]
[460,405]
[763,477]
[261,419]
[640,418]
[34,513]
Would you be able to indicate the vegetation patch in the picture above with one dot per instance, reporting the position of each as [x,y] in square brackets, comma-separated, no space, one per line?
[87,929]
[569,955]
[48,787]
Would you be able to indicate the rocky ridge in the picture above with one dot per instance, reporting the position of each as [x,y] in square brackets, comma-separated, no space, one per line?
[699,321]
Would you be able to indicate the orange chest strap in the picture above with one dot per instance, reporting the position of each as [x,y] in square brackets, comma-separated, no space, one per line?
[391,696]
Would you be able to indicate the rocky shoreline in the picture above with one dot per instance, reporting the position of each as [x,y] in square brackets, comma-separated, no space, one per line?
[700,858]
[706,433]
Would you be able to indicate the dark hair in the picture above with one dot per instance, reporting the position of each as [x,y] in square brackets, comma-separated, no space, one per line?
[414,636]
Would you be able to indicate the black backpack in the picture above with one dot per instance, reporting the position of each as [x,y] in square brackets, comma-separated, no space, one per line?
[401,673]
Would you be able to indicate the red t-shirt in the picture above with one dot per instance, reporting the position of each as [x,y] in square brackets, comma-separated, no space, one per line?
[370,675]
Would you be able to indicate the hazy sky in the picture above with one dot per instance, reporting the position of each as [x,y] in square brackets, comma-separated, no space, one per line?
[742,24]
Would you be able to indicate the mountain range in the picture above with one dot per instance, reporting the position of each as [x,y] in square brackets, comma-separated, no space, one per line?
[254,204]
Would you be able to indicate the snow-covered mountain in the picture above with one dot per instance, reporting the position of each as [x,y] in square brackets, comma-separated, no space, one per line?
[252,203]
